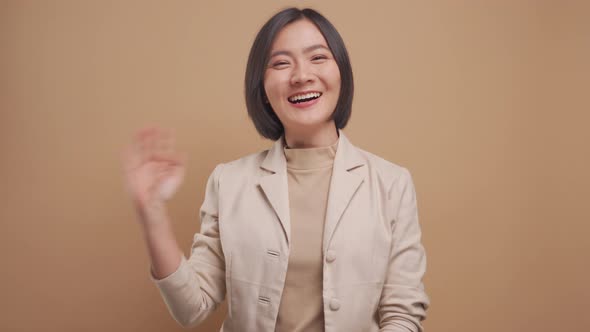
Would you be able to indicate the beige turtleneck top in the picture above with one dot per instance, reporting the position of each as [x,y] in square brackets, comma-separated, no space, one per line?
[309,172]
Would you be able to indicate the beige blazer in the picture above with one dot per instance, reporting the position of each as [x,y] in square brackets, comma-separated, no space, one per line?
[373,258]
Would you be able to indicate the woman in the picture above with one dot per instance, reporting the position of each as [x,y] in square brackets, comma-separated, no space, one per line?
[313,234]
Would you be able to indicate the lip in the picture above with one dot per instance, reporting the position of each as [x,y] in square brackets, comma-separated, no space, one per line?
[306,104]
[303,92]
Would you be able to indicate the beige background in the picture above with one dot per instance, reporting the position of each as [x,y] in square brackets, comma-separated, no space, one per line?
[485,102]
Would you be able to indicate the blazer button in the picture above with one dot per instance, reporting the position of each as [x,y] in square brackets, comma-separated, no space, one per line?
[334,304]
[330,256]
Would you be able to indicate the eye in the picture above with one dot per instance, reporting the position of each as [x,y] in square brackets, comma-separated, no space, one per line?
[280,64]
[319,58]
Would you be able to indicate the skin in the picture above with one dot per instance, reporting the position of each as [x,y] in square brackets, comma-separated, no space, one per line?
[301,61]
[154,169]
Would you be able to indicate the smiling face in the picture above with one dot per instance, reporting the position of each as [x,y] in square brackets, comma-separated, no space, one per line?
[302,79]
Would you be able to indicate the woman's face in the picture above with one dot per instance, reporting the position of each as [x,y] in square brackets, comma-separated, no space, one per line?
[302,79]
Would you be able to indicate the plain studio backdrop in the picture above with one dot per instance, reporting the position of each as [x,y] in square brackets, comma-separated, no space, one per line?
[486,102]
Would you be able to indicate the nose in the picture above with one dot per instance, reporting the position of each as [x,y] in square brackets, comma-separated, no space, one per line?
[301,74]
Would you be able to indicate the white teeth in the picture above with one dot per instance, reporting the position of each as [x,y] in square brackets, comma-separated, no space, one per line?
[305,96]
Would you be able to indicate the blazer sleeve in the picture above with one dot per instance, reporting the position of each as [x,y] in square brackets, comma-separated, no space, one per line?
[403,301]
[197,287]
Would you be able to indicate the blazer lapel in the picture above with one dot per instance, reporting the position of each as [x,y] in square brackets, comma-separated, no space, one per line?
[343,185]
[275,186]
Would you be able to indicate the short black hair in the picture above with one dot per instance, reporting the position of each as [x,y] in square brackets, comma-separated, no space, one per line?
[260,111]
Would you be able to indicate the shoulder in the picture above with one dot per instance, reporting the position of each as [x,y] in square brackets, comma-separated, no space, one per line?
[392,175]
[385,168]
[241,167]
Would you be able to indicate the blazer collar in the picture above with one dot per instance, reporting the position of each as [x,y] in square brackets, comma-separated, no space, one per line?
[343,185]
[347,156]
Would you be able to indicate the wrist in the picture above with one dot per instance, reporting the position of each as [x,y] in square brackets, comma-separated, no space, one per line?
[152,214]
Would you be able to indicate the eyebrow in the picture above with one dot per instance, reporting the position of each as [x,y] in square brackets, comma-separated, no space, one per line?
[305,50]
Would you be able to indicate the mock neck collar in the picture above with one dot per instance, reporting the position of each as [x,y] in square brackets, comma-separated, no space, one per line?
[310,158]
[347,157]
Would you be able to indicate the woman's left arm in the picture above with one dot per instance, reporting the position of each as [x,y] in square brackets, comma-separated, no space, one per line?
[403,301]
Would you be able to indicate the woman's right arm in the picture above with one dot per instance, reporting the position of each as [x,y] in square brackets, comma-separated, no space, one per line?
[153,172]
[191,288]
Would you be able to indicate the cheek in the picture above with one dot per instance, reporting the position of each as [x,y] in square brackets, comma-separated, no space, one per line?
[332,75]
[267,84]
[336,83]
[272,86]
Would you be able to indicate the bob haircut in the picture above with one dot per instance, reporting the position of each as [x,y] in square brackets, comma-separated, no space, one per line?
[260,111]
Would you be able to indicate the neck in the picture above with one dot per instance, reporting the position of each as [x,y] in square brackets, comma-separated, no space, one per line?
[312,138]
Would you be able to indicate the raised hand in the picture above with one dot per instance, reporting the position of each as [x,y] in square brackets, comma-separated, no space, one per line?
[153,169]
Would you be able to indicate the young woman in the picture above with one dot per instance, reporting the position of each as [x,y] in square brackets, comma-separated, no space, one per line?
[313,234]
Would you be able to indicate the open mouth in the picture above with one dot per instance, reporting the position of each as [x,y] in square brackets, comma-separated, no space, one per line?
[304,97]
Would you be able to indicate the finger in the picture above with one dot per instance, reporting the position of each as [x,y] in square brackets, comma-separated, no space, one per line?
[147,142]
[166,150]
[162,180]
[168,182]
[167,159]
[165,142]
[140,143]
[132,153]
[174,158]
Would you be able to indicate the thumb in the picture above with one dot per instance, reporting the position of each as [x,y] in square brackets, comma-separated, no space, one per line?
[168,183]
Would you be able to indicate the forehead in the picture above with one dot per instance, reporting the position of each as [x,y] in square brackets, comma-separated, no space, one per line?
[298,35]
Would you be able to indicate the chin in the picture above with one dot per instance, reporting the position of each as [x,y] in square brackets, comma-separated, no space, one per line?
[310,124]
